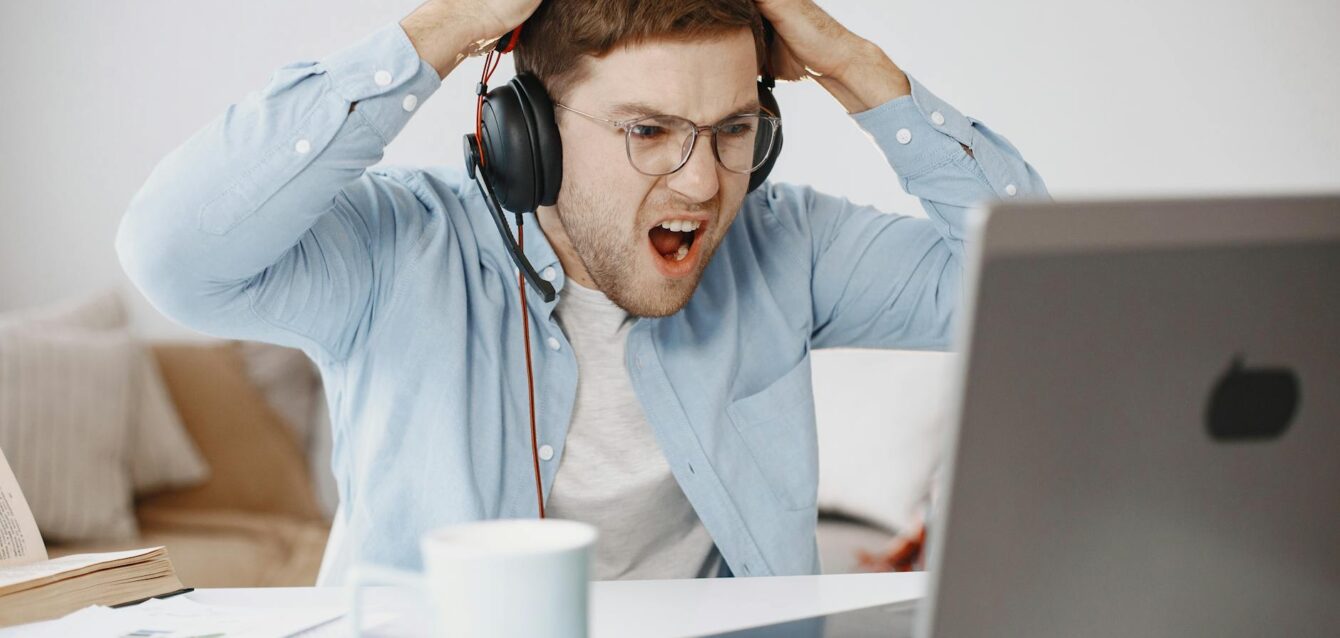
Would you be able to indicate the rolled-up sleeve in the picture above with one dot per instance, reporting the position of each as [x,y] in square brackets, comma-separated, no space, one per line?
[895,281]
[246,231]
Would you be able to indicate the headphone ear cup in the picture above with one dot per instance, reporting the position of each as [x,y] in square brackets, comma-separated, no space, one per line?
[522,152]
[546,143]
[506,146]
[761,148]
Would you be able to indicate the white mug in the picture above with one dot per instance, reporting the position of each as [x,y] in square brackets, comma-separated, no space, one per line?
[505,578]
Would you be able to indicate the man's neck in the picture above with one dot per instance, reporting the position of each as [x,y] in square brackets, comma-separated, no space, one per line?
[553,230]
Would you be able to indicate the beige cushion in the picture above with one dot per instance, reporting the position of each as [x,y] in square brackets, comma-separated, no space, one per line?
[255,465]
[221,548]
[64,426]
[162,454]
[227,548]
[292,386]
[289,382]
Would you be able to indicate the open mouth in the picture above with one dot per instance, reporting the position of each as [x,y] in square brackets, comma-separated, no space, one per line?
[673,246]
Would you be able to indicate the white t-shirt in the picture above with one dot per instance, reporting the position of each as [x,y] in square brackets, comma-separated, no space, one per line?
[613,473]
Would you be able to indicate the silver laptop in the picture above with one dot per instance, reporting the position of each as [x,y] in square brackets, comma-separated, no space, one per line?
[1148,439]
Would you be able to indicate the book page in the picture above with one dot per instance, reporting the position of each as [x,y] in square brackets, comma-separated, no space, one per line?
[20,541]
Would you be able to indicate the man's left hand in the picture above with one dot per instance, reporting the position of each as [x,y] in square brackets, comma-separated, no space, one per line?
[811,44]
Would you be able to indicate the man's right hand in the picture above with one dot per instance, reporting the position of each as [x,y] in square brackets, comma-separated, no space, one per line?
[905,553]
[444,32]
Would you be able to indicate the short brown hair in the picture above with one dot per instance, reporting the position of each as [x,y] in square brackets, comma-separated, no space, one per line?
[560,32]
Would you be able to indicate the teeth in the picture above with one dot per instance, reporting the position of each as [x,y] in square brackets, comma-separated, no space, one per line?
[682,252]
[681,225]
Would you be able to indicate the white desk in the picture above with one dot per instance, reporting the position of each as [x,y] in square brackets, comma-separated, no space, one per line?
[648,608]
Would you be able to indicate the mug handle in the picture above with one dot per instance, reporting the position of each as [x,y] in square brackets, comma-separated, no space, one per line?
[363,575]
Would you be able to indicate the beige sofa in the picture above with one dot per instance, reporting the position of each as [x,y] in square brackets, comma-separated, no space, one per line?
[256,520]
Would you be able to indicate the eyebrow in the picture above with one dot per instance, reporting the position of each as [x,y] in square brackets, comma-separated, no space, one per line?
[640,109]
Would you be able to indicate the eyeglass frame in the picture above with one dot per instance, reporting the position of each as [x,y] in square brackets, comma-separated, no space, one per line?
[693,141]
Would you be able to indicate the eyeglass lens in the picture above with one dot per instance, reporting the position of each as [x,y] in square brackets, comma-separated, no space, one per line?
[660,144]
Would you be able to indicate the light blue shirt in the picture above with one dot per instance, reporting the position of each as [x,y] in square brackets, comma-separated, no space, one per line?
[269,225]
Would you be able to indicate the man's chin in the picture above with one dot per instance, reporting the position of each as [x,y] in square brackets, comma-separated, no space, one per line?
[661,302]
[655,295]
[650,289]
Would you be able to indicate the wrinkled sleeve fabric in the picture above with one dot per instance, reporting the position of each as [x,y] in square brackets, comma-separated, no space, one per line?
[884,280]
[267,225]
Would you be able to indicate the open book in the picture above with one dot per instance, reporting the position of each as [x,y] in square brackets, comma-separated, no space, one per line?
[33,587]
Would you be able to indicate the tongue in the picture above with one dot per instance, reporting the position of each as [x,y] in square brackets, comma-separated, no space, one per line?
[666,241]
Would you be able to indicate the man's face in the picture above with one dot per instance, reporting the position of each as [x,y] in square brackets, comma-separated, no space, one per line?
[608,209]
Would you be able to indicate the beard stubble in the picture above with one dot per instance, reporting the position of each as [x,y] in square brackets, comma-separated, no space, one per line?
[615,261]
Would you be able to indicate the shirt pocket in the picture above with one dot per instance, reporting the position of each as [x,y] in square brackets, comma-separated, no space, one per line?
[777,425]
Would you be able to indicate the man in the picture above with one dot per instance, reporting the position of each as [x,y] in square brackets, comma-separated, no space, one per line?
[673,398]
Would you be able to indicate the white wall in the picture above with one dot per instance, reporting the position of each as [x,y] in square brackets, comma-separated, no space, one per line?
[1147,96]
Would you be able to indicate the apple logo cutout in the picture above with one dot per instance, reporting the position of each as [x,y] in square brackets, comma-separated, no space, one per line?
[1252,404]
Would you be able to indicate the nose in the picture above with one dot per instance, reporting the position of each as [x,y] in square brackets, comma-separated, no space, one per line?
[697,180]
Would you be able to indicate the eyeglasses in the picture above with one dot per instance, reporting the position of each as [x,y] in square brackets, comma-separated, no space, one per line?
[661,144]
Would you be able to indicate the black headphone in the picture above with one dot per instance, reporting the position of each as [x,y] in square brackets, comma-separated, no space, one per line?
[522,166]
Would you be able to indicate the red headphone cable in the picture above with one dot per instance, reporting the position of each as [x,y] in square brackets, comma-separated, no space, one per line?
[530,376]
[491,61]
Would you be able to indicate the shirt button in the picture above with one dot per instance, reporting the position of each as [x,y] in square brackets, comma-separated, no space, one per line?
[903,136]
[303,147]
[549,274]
[1011,190]
[546,453]
[410,102]
[553,344]
[937,118]
[382,78]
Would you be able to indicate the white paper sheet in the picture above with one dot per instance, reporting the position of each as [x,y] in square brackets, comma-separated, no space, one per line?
[179,617]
